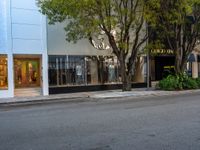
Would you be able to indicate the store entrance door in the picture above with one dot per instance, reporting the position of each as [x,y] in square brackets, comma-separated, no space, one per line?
[164,65]
[27,72]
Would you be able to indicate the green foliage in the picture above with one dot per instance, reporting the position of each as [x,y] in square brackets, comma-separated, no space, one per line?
[86,17]
[169,83]
[186,82]
[177,24]
[189,83]
[119,23]
[198,81]
[179,82]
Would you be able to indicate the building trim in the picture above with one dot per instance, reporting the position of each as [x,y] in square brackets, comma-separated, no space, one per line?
[45,82]
[86,88]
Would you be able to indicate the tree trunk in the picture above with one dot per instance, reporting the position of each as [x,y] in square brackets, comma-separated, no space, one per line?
[183,65]
[126,78]
[177,63]
[180,64]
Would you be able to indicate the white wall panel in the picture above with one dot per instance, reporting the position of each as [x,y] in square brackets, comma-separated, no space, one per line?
[2,50]
[58,45]
[27,27]
[25,4]
[24,16]
[21,46]
[3,33]
[4,94]
[26,31]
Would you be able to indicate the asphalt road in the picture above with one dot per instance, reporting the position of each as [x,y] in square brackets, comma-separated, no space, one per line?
[162,123]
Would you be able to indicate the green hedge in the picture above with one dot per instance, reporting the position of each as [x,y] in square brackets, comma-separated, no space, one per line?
[179,82]
[198,82]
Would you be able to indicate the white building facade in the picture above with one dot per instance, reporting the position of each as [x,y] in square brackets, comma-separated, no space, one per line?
[23,48]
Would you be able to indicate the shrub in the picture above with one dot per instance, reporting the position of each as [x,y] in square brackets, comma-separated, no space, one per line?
[169,83]
[190,83]
[198,82]
[179,82]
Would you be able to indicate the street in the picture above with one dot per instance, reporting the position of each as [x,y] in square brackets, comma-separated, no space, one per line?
[154,123]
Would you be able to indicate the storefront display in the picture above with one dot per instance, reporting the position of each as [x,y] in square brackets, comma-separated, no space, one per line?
[3,72]
[66,70]
[111,71]
[27,72]
[82,70]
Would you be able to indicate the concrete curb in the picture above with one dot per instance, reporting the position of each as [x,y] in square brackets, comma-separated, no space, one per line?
[83,97]
[42,101]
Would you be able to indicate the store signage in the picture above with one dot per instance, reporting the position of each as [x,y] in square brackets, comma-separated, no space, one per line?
[162,52]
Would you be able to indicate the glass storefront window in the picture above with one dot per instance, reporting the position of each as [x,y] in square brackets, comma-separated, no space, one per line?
[67,70]
[83,70]
[3,72]
[92,70]
[27,72]
[111,72]
[103,70]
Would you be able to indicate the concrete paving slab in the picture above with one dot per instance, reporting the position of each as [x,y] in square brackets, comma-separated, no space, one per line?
[115,94]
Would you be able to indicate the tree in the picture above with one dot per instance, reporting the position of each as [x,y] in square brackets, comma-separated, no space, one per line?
[179,23]
[122,22]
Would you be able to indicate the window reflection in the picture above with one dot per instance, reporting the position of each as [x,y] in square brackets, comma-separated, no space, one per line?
[27,72]
[3,72]
[111,71]
[65,70]
[83,70]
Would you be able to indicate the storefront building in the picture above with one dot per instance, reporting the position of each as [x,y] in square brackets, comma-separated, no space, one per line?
[162,60]
[35,58]
[162,64]
[23,51]
[80,67]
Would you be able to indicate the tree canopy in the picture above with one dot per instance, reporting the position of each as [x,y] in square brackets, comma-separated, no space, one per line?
[178,23]
[121,22]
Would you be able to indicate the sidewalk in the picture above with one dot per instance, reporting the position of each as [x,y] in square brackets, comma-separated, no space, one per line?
[85,96]
[135,93]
